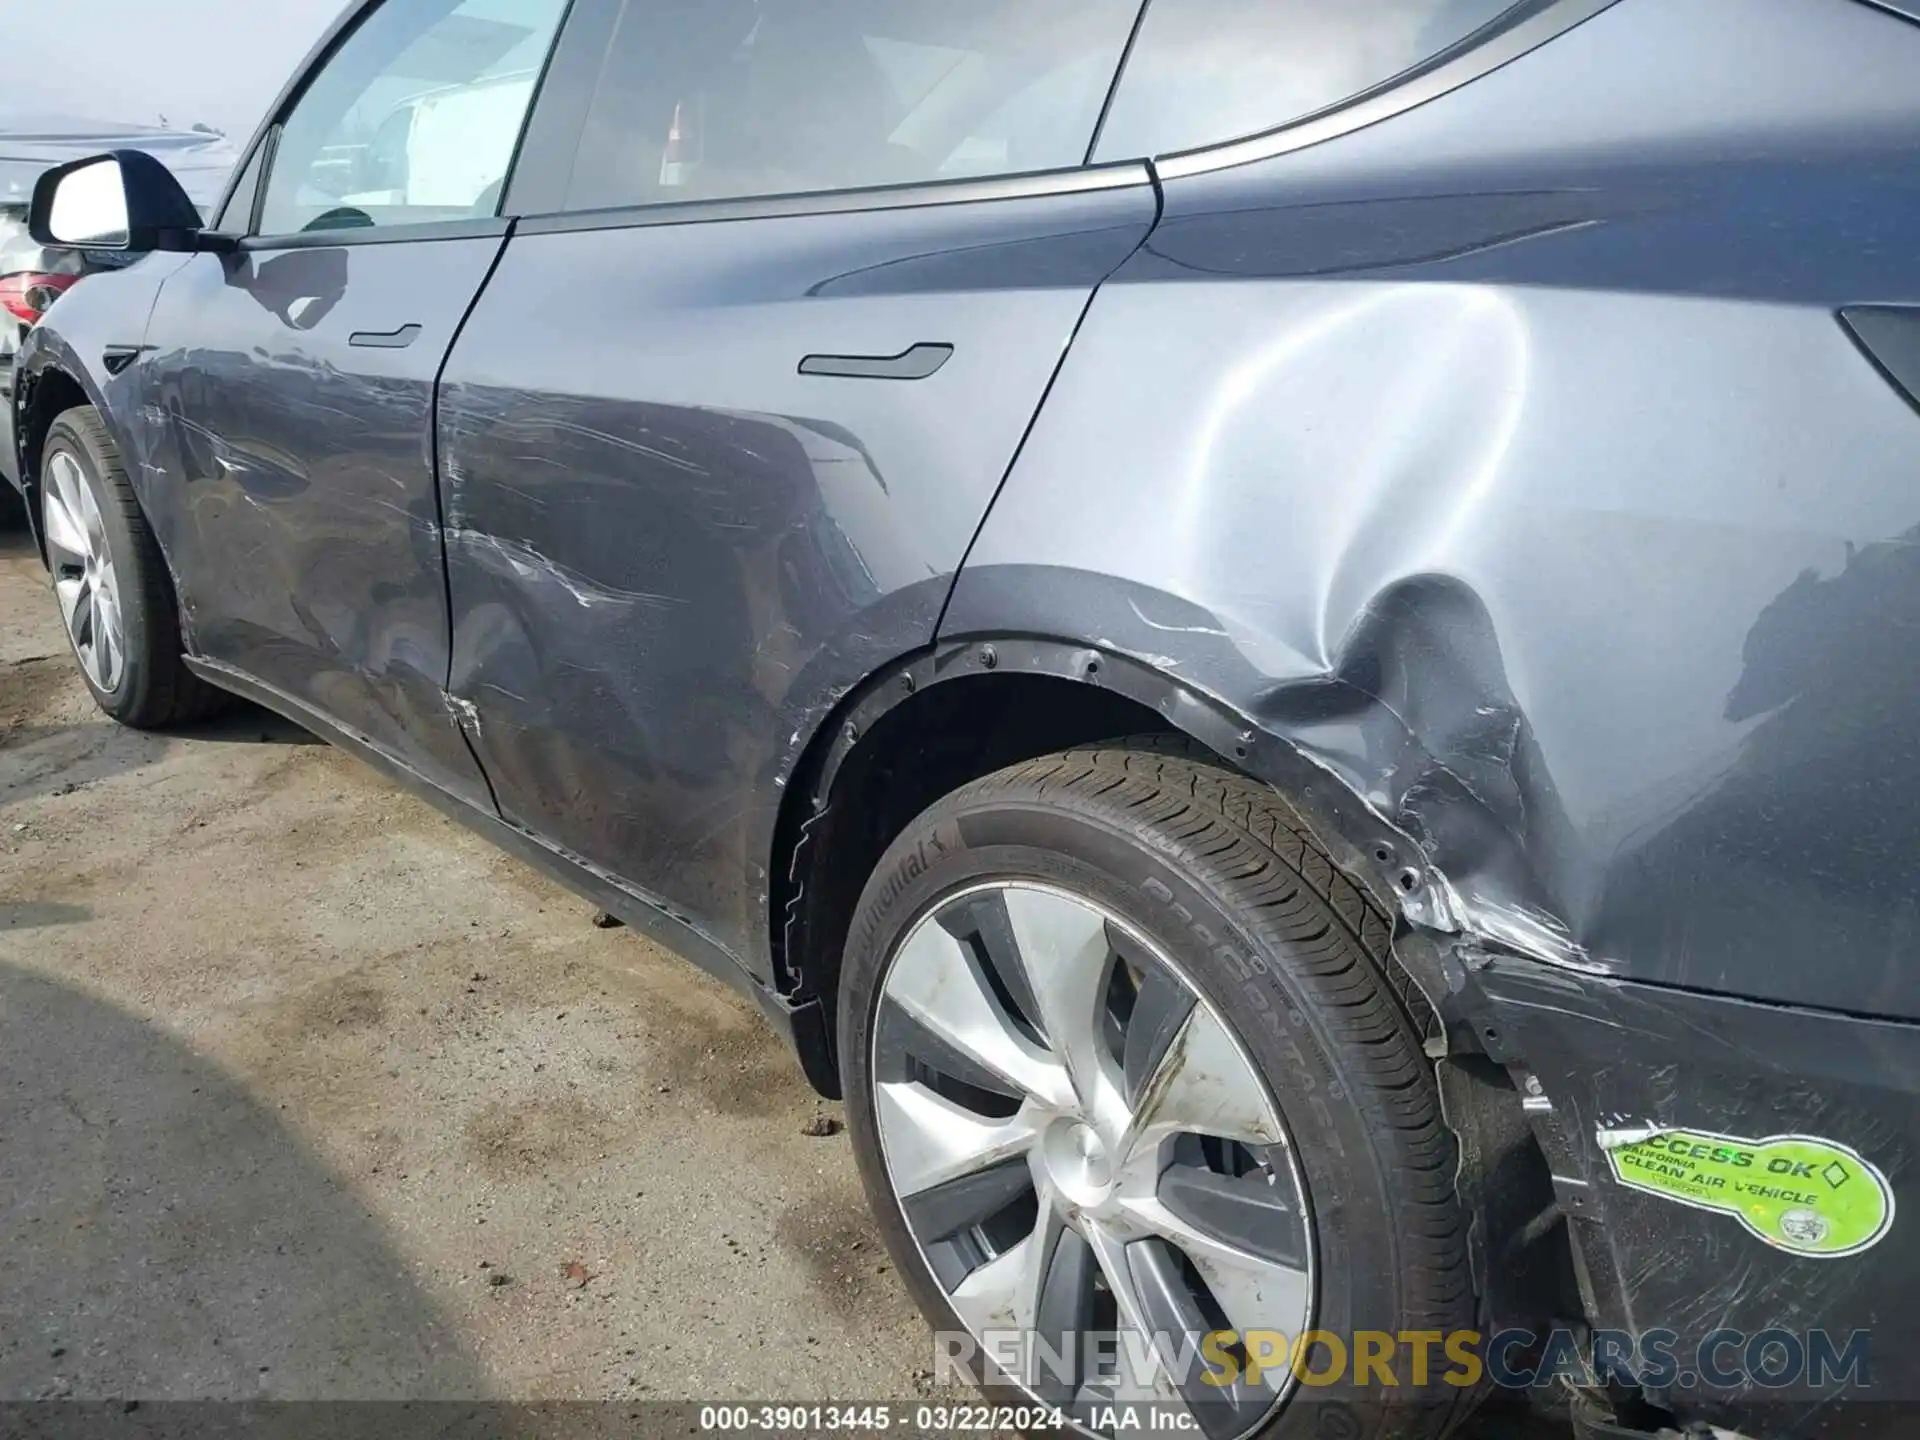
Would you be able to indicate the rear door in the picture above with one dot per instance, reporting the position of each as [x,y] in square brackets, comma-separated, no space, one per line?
[294,379]
[787,287]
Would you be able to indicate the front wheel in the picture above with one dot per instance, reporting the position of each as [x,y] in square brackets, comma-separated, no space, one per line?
[111,581]
[1138,1108]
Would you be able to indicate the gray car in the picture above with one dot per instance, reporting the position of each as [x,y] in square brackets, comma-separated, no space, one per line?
[1282,636]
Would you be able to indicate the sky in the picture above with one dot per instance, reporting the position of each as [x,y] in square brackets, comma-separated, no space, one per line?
[211,62]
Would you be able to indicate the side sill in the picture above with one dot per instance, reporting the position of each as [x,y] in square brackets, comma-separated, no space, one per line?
[801,1026]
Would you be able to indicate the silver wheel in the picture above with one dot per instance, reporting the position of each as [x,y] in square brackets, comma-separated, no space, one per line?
[1090,1165]
[83,573]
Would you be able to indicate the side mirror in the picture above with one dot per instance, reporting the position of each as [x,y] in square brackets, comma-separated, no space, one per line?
[126,200]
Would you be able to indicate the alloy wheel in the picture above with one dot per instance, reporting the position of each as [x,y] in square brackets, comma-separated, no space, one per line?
[1090,1165]
[83,572]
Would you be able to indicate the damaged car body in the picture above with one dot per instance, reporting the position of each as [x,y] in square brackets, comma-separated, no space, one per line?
[878,494]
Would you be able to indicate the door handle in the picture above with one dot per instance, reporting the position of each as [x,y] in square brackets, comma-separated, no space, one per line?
[916,362]
[385,339]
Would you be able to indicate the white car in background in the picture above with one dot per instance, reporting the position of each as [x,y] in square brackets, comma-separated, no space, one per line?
[437,151]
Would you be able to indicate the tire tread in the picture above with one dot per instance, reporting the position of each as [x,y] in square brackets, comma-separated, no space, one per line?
[1258,851]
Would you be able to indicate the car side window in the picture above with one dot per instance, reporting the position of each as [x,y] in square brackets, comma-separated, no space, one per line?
[721,99]
[237,214]
[414,117]
[1202,72]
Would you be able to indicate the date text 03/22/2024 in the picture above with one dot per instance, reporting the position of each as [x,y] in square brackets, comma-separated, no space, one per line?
[917,1419]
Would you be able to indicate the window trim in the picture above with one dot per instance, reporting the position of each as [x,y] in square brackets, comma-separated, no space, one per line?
[269,157]
[1392,97]
[479,228]
[243,224]
[1113,85]
[1903,9]
[1076,180]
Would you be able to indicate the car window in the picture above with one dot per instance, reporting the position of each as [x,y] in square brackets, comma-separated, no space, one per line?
[716,99]
[414,118]
[237,215]
[1206,71]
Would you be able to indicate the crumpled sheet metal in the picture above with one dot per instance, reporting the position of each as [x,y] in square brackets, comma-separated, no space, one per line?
[1602,628]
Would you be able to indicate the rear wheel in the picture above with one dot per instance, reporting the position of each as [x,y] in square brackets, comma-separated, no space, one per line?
[1124,1071]
[108,575]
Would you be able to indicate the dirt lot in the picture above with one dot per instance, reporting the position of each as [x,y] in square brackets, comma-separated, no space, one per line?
[306,1092]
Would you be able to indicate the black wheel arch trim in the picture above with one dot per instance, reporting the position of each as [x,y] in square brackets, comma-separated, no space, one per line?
[1359,842]
[46,354]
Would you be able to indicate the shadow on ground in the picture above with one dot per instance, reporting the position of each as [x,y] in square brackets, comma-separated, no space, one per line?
[58,748]
[242,722]
[163,1236]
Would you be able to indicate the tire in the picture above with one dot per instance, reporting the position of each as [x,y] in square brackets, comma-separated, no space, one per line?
[116,597]
[1196,875]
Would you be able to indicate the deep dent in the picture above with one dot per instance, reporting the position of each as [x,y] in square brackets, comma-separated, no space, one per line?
[1574,636]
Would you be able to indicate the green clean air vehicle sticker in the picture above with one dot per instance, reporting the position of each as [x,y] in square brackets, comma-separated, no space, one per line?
[1796,1192]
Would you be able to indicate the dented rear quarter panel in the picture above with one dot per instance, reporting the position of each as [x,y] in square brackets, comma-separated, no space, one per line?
[1507,458]
[1508,461]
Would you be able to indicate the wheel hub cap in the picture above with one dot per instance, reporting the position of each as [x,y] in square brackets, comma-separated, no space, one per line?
[1077,1162]
[1091,1167]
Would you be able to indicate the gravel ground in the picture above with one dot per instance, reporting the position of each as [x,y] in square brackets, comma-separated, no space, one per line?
[307,1093]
